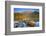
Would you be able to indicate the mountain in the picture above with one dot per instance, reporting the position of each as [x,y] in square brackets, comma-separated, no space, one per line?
[26,12]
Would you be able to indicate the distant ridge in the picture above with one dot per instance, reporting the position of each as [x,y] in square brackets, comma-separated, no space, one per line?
[25,12]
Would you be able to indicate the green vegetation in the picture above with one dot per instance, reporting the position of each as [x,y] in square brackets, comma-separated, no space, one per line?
[33,16]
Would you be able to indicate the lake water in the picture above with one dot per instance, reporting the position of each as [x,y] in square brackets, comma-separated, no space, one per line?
[23,24]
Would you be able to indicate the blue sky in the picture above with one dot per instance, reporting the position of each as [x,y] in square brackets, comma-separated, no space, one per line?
[23,9]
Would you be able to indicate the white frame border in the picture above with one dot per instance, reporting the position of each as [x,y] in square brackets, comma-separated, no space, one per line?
[27,28]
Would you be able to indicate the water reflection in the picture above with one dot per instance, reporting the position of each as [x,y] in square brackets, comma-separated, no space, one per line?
[24,24]
[37,24]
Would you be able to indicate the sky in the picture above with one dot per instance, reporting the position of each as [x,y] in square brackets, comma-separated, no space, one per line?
[16,10]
